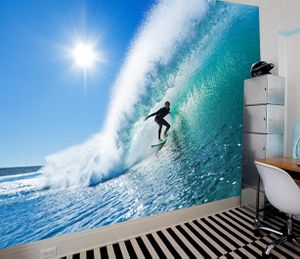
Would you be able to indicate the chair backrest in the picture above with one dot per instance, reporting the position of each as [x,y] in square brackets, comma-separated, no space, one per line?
[280,188]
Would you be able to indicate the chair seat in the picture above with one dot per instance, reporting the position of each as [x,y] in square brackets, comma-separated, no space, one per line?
[284,194]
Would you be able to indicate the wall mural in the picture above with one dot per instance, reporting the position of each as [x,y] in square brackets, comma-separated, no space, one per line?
[194,55]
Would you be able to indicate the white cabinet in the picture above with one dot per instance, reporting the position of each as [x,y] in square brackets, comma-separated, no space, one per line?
[263,127]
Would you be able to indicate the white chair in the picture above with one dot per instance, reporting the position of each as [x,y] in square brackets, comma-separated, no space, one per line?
[284,194]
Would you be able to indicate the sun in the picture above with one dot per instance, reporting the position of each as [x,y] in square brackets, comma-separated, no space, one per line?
[84,55]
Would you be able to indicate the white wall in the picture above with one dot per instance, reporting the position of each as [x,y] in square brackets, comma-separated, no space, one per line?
[280,44]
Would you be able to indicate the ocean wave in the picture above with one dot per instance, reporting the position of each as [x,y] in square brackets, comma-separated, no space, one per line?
[154,71]
[166,28]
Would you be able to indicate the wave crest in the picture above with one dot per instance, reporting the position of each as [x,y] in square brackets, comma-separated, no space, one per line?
[109,153]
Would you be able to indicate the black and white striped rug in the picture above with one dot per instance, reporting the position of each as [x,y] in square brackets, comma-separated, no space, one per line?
[228,234]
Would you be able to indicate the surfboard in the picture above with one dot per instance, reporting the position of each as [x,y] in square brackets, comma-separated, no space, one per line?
[160,144]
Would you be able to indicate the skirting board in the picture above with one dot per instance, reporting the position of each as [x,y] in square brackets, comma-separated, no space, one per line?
[101,236]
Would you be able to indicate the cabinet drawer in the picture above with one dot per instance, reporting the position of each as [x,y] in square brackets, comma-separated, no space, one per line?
[259,146]
[264,118]
[268,89]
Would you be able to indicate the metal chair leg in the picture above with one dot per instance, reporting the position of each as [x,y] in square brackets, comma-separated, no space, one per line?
[269,230]
[276,243]
[296,241]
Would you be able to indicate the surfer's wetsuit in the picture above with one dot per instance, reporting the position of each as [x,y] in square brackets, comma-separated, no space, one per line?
[159,119]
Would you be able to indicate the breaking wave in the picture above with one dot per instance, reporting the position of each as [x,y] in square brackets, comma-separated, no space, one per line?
[165,59]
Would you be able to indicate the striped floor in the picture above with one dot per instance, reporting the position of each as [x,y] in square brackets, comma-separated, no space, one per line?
[228,234]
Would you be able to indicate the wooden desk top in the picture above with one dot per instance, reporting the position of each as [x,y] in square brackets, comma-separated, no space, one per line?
[285,163]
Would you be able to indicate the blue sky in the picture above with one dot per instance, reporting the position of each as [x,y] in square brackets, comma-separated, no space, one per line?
[45,104]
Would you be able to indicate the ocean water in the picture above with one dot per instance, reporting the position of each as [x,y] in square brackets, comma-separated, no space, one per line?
[200,162]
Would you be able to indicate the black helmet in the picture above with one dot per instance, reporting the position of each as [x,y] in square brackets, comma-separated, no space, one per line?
[261,68]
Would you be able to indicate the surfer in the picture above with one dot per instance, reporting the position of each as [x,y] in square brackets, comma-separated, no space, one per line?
[159,119]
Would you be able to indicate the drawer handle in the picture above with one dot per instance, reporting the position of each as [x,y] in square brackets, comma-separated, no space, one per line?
[264,119]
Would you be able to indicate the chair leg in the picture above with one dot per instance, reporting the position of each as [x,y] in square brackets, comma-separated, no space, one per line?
[296,241]
[274,244]
[269,230]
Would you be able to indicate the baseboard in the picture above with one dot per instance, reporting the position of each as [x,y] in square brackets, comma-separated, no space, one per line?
[101,236]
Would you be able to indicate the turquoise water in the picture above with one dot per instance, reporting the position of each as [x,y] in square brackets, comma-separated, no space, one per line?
[200,162]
